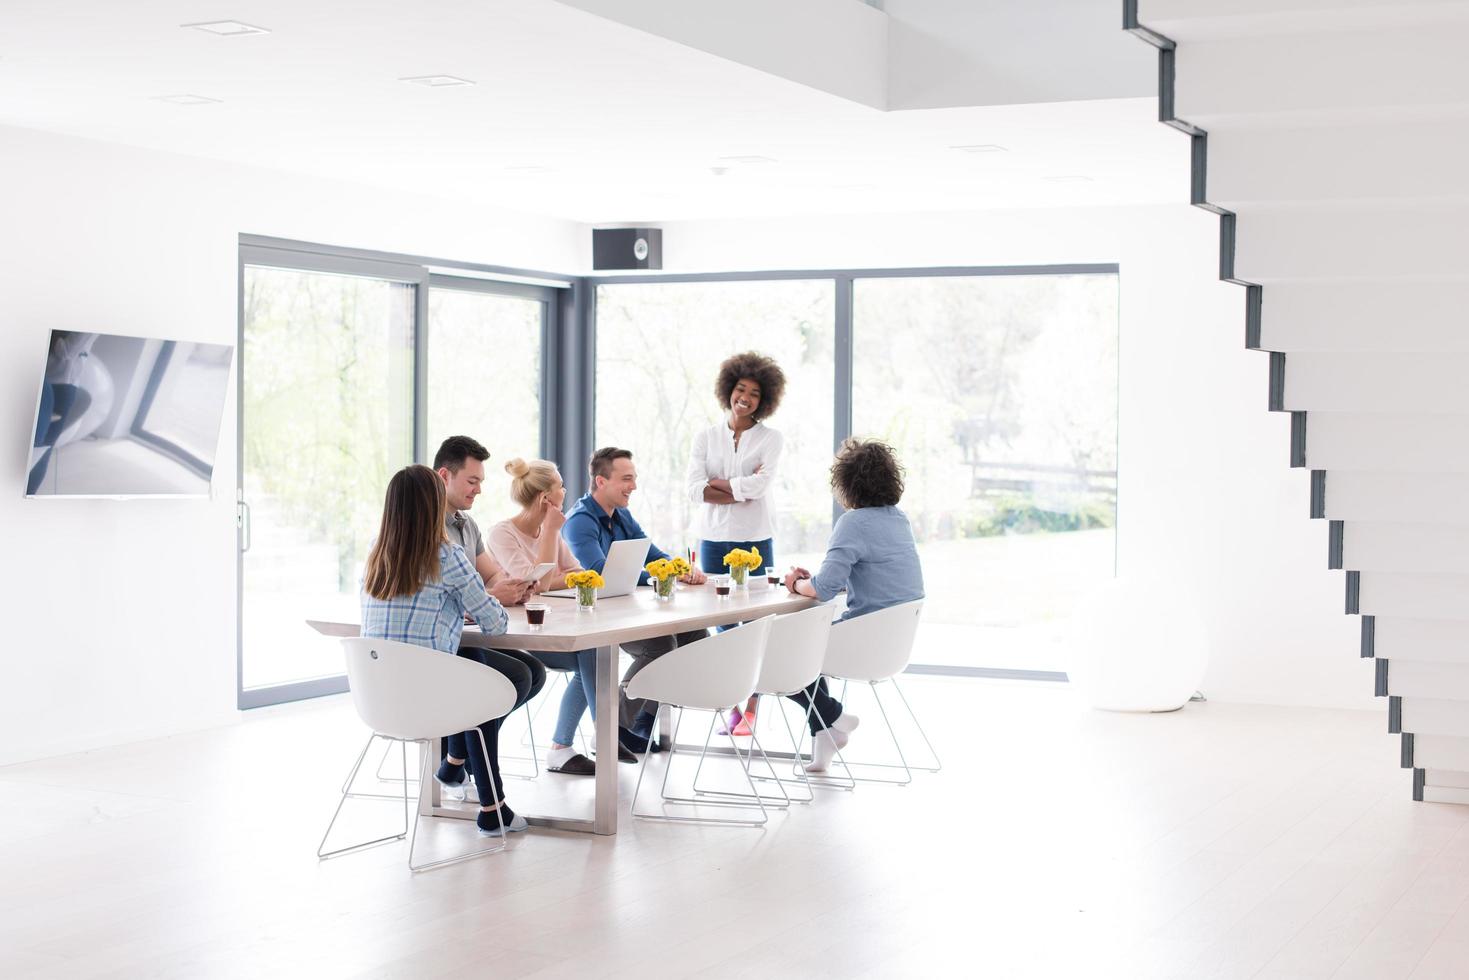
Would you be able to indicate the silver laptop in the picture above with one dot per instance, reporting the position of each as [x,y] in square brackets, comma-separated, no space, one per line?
[620,571]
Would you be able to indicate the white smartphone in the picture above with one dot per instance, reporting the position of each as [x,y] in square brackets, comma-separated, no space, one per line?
[539,572]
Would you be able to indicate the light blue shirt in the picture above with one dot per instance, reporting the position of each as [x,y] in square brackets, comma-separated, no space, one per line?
[872,556]
[434,615]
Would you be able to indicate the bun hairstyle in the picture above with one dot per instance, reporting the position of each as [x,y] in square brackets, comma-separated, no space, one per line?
[531,478]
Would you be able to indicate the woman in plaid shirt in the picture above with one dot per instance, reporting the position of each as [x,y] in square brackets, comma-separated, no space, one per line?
[417,588]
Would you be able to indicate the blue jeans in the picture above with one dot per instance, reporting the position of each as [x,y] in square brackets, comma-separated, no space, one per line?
[711,558]
[581,689]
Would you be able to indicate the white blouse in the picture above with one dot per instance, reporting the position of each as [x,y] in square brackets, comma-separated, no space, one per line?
[714,456]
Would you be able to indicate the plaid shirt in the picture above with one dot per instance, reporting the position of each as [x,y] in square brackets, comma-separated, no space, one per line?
[434,615]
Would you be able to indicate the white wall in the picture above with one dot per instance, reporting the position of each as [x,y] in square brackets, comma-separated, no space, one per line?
[946,53]
[1205,492]
[120,614]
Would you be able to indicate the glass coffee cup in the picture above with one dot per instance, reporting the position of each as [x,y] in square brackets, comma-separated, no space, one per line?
[535,614]
[721,586]
[772,577]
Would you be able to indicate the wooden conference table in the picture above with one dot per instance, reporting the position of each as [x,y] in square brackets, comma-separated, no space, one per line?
[638,616]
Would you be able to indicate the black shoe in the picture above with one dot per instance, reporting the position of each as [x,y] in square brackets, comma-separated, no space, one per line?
[623,755]
[577,765]
[631,742]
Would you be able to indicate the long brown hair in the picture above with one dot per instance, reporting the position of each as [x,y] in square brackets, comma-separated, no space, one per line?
[405,556]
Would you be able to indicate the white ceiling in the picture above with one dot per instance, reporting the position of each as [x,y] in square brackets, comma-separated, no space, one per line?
[572,115]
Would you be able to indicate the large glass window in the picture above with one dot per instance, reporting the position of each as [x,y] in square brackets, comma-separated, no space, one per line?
[484,381]
[659,346]
[1000,395]
[327,385]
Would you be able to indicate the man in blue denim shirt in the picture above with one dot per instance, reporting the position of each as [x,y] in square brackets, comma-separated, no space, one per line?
[598,519]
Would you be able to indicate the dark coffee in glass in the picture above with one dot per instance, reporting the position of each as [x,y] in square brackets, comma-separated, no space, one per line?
[535,615]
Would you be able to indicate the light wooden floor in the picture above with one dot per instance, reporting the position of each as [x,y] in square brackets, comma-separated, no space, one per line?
[1221,841]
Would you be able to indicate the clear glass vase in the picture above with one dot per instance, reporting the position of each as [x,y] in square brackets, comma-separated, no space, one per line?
[737,574]
[663,588]
[586,598]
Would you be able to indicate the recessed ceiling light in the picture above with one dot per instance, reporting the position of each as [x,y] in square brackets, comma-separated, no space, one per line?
[228,28]
[187,99]
[748,159]
[1070,179]
[436,81]
[980,148]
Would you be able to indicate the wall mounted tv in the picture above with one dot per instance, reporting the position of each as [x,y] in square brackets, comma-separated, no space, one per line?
[127,417]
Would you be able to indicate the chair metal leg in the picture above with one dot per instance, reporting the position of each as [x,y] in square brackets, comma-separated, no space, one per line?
[321,852]
[781,802]
[666,798]
[937,764]
[527,739]
[849,767]
[468,855]
[824,780]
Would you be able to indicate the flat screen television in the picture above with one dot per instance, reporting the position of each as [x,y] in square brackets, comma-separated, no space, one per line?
[127,417]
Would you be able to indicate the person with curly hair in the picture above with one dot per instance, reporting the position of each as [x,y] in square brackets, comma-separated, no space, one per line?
[731,473]
[871,556]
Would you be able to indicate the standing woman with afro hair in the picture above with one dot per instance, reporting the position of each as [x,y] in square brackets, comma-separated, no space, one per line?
[732,469]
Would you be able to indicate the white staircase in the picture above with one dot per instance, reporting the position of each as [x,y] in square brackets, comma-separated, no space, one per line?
[1332,138]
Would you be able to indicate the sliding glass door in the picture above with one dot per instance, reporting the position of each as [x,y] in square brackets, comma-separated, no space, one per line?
[1000,394]
[352,367]
[485,376]
[326,416]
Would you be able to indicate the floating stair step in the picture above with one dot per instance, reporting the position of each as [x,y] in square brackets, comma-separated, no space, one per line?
[1436,383]
[1204,20]
[1386,442]
[1438,640]
[1399,317]
[1382,546]
[1435,716]
[1368,241]
[1416,498]
[1445,786]
[1413,596]
[1424,679]
[1324,77]
[1401,163]
[1443,752]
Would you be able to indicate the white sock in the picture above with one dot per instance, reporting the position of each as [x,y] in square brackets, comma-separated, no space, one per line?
[847,723]
[556,758]
[823,749]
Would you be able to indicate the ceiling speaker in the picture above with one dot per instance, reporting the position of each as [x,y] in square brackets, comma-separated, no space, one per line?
[627,248]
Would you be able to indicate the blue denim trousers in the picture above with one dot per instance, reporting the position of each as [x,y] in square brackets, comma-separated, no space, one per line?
[581,689]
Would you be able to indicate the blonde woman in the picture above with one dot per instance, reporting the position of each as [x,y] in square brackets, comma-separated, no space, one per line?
[519,544]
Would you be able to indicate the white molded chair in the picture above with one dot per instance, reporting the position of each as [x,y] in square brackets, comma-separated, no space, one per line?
[408,693]
[794,655]
[708,675]
[874,649]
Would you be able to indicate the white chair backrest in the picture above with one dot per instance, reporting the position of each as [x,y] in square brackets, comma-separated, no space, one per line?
[873,647]
[796,650]
[712,673]
[412,692]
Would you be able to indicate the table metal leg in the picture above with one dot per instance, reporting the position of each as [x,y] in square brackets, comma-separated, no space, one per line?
[604,816]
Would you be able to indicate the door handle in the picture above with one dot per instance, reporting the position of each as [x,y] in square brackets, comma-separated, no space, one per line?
[243,522]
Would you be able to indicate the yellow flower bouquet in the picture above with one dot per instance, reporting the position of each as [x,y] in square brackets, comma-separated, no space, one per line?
[586,583]
[740,562]
[664,572]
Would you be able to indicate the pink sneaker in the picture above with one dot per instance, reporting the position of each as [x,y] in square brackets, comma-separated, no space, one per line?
[730,722]
[746,725]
